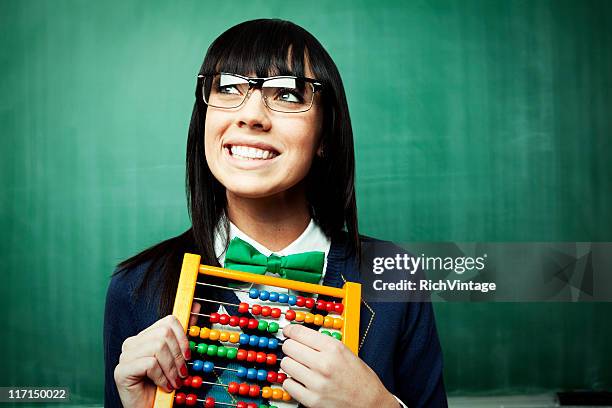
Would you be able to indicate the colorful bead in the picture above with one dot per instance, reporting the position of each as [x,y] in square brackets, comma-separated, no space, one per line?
[338,323]
[264,295]
[275,312]
[292,300]
[204,333]
[231,353]
[196,381]
[300,301]
[179,398]
[221,351]
[254,391]
[241,354]
[318,320]
[329,306]
[281,378]
[192,345]
[328,321]
[244,339]
[191,400]
[253,293]
[271,359]
[321,304]
[241,404]
[212,350]
[290,315]
[194,331]
[251,405]
[338,308]
[243,389]
[260,357]
[283,297]
[214,335]
[251,356]
[309,318]
[223,319]
[337,336]
[286,396]
[187,381]
[309,303]
[234,337]
[202,348]
[214,317]
[251,374]
[224,336]
[273,327]
[197,365]
[243,307]
[233,321]
[208,367]
[272,343]
[232,387]
[277,393]
[252,324]
[261,375]
[271,377]
[209,402]
[253,341]
[262,325]
[263,342]
[266,392]
[241,372]
[265,311]
[273,297]
[299,316]
[243,321]
[255,310]
[325,332]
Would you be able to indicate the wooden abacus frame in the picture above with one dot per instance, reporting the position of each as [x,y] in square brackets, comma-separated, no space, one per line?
[350,294]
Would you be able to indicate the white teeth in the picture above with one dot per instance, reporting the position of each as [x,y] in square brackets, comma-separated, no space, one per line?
[247,152]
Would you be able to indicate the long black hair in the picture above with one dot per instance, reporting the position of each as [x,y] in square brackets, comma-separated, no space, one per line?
[266,47]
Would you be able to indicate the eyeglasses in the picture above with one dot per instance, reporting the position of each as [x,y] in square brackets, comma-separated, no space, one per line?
[287,94]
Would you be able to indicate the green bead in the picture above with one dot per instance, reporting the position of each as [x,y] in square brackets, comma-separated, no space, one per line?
[212,350]
[262,325]
[231,353]
[325,332]
[221,351]
[273,327]
[192,345]
[202,348]
[337,336]
[264,406]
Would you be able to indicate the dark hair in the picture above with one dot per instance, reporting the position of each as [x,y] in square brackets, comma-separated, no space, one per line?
[265,47]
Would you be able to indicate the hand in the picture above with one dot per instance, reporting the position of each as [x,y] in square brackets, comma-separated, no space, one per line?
[154,357]
[325,373]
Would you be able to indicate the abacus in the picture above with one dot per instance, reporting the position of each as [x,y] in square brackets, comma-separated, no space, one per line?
[341,317]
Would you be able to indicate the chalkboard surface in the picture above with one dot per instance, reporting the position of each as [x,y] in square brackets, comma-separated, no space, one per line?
[482,120]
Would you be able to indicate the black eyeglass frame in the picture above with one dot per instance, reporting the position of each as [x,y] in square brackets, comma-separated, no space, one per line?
[257,83]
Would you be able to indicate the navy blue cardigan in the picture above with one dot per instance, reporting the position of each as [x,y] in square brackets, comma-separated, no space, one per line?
[398,341]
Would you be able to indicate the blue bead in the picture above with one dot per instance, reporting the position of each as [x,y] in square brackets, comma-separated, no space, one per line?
[273,343]
[262,375]
[264,295]
[253,293]
[251,374]
[208,367]
[244,339]
[197,365]
[283,298]
[242,372]
[253,341]
[273,297]
[292,300]
[263,342]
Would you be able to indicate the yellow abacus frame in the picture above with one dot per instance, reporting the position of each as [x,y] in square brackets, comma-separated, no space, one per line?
[350,294]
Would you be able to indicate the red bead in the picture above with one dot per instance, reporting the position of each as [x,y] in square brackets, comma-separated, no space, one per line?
[196,381]
[300,301]
[187,381]
[254,391]
[329,306]
[253,323]
[255,310]
[271,376]
[234,321]
[321,304]
[309,303]
[281,377]
[338,308]
[241,404]
[260,357]
[209,402]
[243,321]
[243,307]
[241,354]
[179,398]
[214,317]
[271,359]
[290,315]
[275,312]
[191,399]
[224,319]
[251,356]
[265,311]
[251,405]
[244,389]
[232,387]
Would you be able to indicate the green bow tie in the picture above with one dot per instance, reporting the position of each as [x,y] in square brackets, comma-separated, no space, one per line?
[304,267]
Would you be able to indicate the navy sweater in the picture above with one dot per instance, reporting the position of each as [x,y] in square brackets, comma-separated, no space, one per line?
[398,341]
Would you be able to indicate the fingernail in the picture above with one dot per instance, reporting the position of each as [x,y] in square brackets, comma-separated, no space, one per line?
[184,370]
[179,383]
[188,354]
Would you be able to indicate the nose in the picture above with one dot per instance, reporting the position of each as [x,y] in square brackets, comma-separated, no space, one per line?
[253,113]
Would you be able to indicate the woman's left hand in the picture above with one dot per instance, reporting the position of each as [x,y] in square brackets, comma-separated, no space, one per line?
[325,373]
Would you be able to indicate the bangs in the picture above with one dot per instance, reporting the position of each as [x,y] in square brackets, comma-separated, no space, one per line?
[266,48]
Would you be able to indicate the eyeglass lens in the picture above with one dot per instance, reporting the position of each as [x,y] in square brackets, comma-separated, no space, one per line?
[283,94]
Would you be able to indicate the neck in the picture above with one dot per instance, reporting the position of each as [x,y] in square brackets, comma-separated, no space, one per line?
[275,221]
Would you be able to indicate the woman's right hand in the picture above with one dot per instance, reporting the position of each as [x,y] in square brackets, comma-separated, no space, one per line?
[154,357]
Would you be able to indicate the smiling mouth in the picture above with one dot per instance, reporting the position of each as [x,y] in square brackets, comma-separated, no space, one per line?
[250,153]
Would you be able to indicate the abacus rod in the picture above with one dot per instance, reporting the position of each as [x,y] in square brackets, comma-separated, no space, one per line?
[216,301]
[222,287]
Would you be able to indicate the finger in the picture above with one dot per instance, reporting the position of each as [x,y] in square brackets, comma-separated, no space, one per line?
[300,393]
[195,308]
[127,375]
[299,372]
[308,337]
[168,363]
[301,353]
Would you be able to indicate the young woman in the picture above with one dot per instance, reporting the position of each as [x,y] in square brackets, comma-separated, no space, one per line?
[270,160]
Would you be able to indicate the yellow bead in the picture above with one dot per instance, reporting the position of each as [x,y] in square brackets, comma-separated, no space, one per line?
[266,392]
[318,320]
[338,323]
[309,318]
[234,337]
[299,316]
[286,396]
[277,393]
[224,336]
[204,332]
[194,331]
[328,321]
[214,335]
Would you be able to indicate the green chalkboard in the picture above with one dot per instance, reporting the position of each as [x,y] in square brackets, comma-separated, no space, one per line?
[482,120]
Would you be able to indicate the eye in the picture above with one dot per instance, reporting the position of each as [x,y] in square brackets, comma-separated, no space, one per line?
[289,95]
[228,89]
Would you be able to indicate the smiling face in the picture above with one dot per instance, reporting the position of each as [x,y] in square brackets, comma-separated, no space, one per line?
[256,152]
